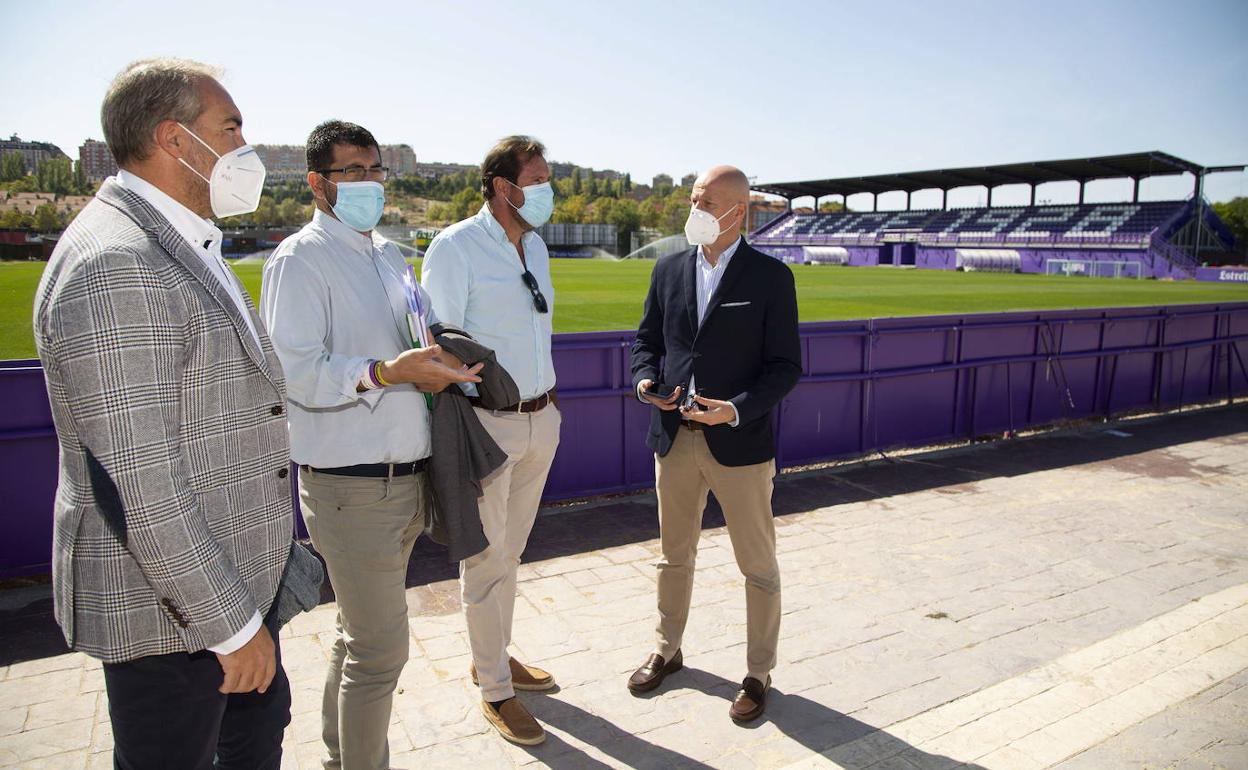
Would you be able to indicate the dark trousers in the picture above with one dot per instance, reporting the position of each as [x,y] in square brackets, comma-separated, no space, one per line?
[167,712]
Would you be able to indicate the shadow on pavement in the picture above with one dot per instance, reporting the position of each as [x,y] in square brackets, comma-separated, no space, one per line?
[27,630]
[633,751]
[813,725]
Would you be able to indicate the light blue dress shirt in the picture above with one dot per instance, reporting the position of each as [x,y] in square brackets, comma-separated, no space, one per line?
[472,272]
[333,300]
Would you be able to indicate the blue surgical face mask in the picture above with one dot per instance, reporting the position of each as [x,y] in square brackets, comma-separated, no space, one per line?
[360,204]
[539,203]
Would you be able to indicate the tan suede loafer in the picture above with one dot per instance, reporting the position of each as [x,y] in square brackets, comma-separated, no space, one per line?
[523,677]
[514,722]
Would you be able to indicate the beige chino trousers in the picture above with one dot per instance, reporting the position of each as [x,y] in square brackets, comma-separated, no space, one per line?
[365,529]
[682,480]
[508,505]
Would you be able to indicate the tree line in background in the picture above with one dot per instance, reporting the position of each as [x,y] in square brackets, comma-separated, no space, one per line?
[59,176]
[1235,214]
[580,198]
[283,204]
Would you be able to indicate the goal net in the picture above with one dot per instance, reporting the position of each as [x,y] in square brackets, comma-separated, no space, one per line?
[1094,268]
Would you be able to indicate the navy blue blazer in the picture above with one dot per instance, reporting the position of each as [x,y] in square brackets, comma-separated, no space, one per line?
[745,351]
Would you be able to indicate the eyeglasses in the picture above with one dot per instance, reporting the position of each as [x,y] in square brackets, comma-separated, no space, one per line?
[359,173]
[539,300]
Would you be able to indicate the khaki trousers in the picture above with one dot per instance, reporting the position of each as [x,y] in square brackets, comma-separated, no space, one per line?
[365,530]
[682,480]
[509,501]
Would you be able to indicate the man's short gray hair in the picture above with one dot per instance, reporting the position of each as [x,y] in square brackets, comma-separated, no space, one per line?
[145,93]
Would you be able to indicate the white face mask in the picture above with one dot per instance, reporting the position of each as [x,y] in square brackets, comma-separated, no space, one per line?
[702,227]
[237,179]
[539,203]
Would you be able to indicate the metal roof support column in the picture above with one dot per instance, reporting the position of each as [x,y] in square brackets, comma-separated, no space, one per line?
[1135,191]
[873,201]
[989,195]
[907,200]
[1031,201]
[944,199]
[1200,218]
[1082,183]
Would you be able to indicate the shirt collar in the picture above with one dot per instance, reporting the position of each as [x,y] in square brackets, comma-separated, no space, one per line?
[197,231]
[486,220]
[723,258]
[338,231]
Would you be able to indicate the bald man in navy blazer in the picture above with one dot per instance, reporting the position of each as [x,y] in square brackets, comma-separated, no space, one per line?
[716,351]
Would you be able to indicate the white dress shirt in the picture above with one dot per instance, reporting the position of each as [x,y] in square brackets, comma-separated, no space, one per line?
[203,236]
[205,240]
[708,277]
[473,274]
[333,301]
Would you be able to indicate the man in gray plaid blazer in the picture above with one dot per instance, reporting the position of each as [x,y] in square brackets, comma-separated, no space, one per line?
[173,518]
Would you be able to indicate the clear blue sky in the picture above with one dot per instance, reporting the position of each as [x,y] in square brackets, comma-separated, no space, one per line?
[784,90]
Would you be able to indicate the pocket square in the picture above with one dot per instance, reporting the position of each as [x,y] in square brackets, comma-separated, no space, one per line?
[735,304]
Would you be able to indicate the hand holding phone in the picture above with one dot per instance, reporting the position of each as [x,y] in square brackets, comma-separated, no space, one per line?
[663,396]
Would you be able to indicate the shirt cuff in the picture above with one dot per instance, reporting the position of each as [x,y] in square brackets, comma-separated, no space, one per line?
[370,397]
[736,416]
[637,390]
[235,642]
[360,371]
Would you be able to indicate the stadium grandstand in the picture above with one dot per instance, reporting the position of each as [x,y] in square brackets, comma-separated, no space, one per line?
[1154,239]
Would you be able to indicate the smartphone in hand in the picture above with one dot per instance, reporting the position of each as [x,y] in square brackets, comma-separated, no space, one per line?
[663,391]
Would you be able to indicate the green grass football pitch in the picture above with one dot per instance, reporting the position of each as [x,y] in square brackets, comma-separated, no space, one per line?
[598,295]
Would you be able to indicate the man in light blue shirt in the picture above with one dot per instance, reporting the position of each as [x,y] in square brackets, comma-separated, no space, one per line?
[336,299]
[490,275]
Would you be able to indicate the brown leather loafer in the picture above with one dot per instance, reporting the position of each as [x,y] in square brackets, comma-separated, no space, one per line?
[523,677]
[750,701]
[514,722]
[653,671]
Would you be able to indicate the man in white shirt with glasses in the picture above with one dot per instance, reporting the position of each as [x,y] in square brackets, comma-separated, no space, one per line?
[490,275]
[337,297]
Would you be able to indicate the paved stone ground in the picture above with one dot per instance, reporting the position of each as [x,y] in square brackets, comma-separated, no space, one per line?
[1075,600]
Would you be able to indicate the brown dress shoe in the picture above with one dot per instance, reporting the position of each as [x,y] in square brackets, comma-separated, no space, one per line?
[514,722]
[653,671]
[750,701]
[523,677]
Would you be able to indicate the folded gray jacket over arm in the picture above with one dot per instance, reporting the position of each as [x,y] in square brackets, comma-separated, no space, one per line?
[463,452]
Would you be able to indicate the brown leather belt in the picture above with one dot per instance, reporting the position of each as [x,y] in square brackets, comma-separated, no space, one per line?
[524,407]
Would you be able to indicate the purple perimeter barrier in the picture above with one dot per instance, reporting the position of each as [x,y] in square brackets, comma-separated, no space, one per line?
[866,385]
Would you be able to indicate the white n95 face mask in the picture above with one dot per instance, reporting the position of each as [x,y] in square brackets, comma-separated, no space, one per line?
[237,179]
[702,227]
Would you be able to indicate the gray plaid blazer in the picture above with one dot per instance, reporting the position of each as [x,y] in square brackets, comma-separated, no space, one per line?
[173,516]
